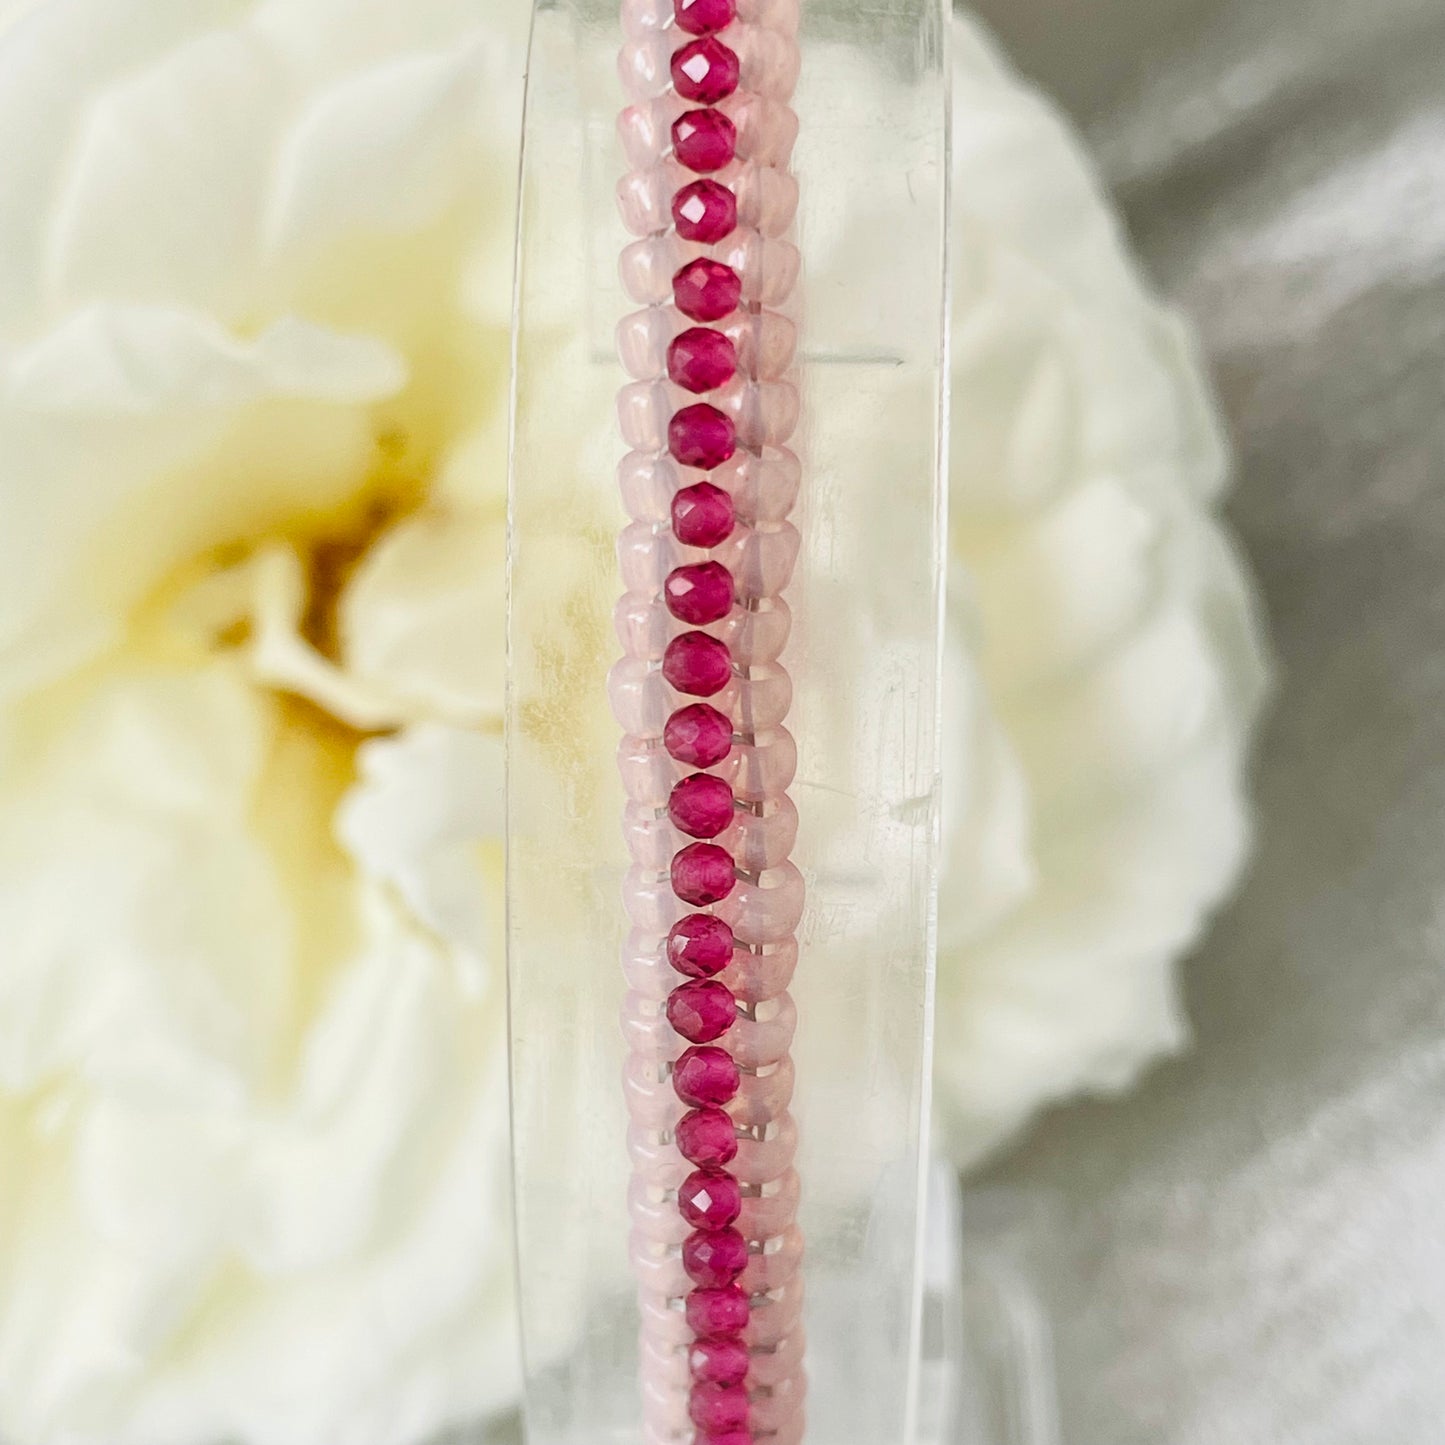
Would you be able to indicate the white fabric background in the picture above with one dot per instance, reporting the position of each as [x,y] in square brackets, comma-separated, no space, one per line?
[1250,1250]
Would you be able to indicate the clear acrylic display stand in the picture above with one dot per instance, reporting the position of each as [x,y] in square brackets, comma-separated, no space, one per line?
[865,657]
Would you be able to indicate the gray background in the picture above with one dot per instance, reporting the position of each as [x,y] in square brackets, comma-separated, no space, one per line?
[1251,1249]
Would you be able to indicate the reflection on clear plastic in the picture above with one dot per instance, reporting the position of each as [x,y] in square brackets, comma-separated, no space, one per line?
[1008,1373]
[864,654]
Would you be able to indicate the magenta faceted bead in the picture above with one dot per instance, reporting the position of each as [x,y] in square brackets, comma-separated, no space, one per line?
[714,1314]
[698,735]
[710,1199]
[718,1408]
[719,1362]
[704,140]
[703,515]
[706,71]
[700,945]
[701,436]
[703,874]
[697,664]
[699,593]
[701,360]
[706,1076]
[707,1138]
[703,17]
[714,1257]
[701,1012]
[701,806]
[707,290]
[705,211]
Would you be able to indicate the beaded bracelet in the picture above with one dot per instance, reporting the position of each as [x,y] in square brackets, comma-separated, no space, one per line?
[706,762]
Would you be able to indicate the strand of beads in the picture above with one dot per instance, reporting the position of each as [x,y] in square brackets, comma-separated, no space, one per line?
[706,762]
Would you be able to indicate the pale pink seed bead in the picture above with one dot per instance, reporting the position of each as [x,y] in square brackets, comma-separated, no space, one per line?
[767,198]
[649,17]
[762,1098]
[774,1411]
[776,1266]
[769,62]
[783,16]
[767,132]
[766,841]
[768,910]
[755,1043]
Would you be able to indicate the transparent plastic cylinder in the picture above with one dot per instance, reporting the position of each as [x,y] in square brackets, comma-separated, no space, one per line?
[865,652]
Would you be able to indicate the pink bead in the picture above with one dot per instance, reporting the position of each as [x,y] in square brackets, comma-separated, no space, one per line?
[714,1257]
[716,1408]
[702,17]
[700,945]
[714,1314]
[703,515]
[706,1076]
[706,71]
[701,436]
[699,593]
[719,1362]
[702,874]
[701,806]
[710,1199]
[705,211]
[701,360]
[701,1012]
[704,140]
[707,290]
[698,735]
[707,1138]
[697,664]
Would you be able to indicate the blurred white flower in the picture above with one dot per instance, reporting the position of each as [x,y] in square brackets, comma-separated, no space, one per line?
[254,276]
[254,283]
[1107,664]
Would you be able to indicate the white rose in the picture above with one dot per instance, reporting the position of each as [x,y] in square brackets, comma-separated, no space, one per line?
[1107,661]
[254,276]
[253,361]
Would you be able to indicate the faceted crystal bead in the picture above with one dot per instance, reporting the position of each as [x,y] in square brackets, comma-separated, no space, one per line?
[706,71]
[705,211]
[701,806]
[707,1138]
[707,290]
[719,1362]
[703,17]
[703,874]
[710,1199]
[701,436]
[714,1314]
[700,945]
[717,1409]
[704,140]
[703,515]
[701,1011]
[714,1257]
[706,1076]
[701,360]
[697,664]
[699,593]
[698,735]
